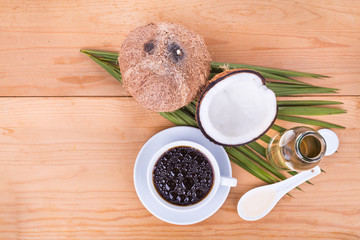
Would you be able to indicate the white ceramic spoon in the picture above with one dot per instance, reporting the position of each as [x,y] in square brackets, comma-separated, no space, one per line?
[258,202]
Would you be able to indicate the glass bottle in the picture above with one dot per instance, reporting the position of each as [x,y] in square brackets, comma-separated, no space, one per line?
[299,149]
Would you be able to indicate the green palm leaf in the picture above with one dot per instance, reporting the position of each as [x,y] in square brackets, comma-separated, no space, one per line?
[306,103]
[308,121]
[309,111]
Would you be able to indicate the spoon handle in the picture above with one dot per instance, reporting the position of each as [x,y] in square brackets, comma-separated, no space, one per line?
[298,179]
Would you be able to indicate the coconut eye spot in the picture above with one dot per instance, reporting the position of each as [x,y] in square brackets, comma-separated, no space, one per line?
[176,52]
[149,46]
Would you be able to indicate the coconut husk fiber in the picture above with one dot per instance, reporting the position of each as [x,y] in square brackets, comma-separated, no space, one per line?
[164,65]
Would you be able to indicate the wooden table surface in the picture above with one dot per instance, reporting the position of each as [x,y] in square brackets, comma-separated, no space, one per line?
[69,132]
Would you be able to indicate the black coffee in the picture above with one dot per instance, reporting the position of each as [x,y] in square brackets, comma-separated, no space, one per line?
[183,176]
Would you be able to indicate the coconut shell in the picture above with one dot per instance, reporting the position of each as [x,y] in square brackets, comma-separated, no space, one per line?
[216,79]
[164,65]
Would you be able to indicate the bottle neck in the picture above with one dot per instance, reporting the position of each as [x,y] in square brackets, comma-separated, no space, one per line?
[310,147]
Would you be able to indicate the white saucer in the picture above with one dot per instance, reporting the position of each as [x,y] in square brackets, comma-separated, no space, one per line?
[149,149]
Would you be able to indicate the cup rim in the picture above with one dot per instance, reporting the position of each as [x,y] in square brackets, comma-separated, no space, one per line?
[214,165]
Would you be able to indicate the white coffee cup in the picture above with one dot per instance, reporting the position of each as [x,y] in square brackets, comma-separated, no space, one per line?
[218,179]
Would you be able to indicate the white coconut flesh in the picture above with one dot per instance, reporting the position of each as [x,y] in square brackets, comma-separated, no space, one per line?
[237,109]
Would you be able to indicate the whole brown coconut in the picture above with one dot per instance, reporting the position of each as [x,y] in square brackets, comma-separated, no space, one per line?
[164,65]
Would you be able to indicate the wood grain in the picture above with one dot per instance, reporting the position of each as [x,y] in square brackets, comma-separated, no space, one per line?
[66,173]
[69,138]
[40,40]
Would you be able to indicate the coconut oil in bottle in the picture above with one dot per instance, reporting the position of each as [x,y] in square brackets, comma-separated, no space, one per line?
[299,149]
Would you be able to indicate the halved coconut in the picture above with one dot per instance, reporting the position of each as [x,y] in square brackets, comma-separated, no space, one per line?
[236,108]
